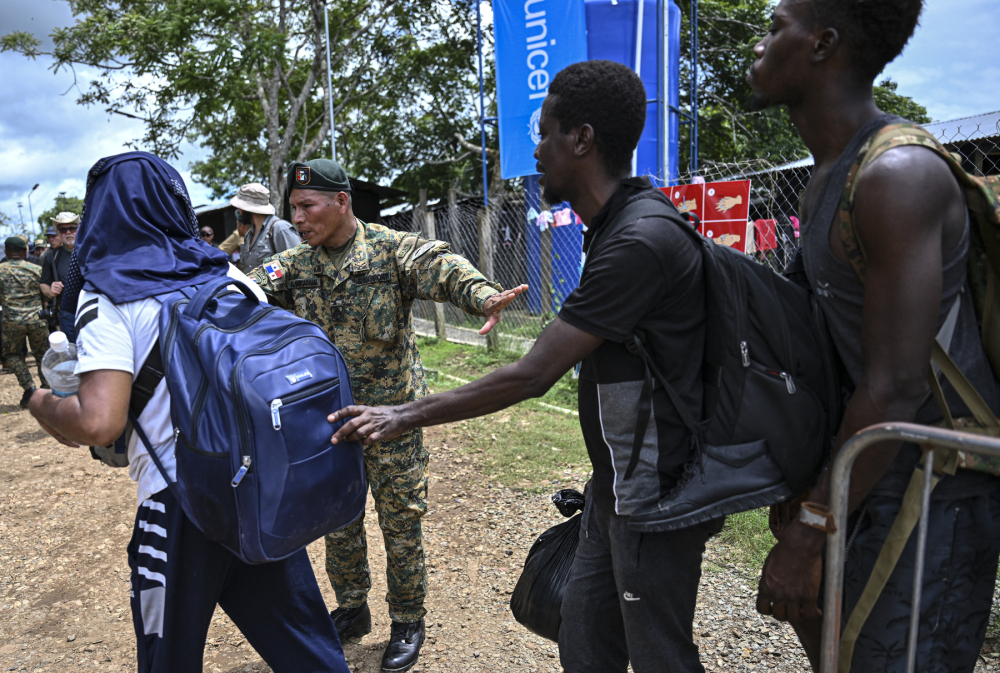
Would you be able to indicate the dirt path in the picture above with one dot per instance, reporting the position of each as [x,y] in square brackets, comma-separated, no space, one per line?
[65,521]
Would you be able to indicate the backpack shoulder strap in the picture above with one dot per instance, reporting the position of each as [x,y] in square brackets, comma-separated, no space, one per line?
[146,380]
[646,204]
[889,137]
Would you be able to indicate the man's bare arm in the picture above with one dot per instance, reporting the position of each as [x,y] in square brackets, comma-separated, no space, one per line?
[95,416]
[50,291]
[559,347]
[907,203]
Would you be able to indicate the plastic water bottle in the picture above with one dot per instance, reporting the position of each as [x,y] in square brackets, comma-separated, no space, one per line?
[59,365]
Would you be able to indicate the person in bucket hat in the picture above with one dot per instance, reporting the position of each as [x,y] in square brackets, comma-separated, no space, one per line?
[267,234]
[55,271]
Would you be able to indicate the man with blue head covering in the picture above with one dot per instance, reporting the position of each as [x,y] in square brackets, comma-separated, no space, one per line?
[140,241]
[358,282]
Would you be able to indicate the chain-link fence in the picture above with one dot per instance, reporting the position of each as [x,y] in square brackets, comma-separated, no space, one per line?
[517,240]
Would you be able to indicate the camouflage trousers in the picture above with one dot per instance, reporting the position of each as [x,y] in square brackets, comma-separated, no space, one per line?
[397,475]
[37,333]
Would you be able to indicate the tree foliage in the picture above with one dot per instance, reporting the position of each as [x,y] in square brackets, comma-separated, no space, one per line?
[246,79]
[63,204]
[728,131]
[12,226]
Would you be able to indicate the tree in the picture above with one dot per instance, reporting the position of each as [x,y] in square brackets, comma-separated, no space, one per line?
[244,78]
[889,101]
[12,226]
[412,128]
[63,204]
[728,131]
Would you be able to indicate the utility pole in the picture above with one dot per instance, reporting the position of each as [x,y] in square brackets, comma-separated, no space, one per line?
[329,79]
[30,211]
[482,104]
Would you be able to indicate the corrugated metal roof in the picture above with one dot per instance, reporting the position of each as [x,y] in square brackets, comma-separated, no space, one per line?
[977,127]
[209,207]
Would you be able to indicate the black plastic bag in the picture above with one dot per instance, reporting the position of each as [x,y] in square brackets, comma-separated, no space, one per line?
[537,597]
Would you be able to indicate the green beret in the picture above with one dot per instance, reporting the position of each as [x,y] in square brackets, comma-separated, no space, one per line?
[15,242]
[322,174]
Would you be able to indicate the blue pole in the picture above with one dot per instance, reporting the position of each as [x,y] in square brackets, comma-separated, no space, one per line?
[482,108]
[694,86]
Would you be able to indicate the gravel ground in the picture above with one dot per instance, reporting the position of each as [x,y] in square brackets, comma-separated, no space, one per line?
[65,521]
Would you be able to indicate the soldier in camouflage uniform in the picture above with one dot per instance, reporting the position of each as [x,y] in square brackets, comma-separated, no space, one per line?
[21,299]
[358,281]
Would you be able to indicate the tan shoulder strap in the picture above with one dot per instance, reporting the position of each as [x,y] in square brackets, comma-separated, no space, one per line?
[889,137]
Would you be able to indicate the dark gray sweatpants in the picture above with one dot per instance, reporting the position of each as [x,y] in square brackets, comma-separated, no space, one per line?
[631,597]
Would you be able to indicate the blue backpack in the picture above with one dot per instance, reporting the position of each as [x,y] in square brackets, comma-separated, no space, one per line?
[251,387]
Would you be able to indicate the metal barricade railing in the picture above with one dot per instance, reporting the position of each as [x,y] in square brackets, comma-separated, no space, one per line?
[840,482]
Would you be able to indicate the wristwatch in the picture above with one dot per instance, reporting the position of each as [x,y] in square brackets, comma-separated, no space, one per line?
[818,516]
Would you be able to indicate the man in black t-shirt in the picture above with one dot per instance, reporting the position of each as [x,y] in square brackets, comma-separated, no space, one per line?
[630,597]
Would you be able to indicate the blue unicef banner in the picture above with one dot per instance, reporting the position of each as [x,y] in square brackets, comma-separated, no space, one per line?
[535,39]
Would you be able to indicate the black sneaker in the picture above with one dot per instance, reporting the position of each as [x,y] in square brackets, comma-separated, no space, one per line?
[404,646]
[26,397]
[721,480]
[352,622]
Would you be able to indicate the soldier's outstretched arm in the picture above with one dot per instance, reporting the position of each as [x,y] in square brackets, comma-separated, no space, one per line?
[559,347]
[430,270]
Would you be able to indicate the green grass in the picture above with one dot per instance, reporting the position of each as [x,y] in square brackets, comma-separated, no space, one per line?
[527,444]
[747,538]
[521,446]
[471,362]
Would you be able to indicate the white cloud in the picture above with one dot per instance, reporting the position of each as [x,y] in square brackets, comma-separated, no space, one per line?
[949,66]
[45,137]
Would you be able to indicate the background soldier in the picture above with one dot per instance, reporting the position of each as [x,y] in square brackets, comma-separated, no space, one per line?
[265,233]
[358,281]
[21,300]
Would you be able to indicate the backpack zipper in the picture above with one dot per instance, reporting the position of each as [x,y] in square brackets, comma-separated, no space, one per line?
[745,352]
[278,402]
[257,317]
[242,420]
[789,384]
[275,414]
[242,472]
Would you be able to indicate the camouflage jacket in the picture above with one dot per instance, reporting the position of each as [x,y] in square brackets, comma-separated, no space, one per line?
[19,293]
[365,307]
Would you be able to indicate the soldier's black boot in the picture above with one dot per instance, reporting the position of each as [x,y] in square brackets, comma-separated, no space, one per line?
[352,622]
[26,397]
[404,646]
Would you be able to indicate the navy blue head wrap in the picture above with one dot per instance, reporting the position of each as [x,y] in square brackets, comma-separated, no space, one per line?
[138,233]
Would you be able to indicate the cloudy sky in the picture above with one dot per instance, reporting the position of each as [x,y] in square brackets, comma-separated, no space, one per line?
[951,66]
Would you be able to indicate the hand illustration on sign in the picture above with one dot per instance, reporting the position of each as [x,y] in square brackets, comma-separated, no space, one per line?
[688,206]
[728,239]
[728,202]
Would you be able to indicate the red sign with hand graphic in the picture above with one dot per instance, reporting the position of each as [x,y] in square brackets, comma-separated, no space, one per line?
[722,207]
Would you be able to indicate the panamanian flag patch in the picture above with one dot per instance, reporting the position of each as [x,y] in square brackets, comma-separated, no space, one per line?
[274,270]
